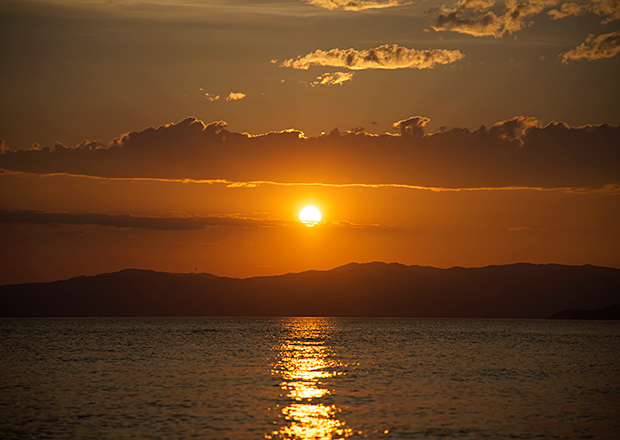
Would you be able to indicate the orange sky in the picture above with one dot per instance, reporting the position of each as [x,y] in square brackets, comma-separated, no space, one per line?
[57,226]
[424,133]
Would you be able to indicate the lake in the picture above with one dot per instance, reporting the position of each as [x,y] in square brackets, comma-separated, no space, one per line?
[309,378]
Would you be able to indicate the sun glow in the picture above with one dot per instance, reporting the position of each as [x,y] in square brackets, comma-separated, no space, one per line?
[310,216]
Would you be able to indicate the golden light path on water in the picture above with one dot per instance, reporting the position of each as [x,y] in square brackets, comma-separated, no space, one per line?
[304,364]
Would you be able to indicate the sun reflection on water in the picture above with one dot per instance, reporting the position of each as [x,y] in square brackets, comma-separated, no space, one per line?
[305,362]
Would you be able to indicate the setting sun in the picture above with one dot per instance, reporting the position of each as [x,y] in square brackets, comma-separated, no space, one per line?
[310,216]
[316,199]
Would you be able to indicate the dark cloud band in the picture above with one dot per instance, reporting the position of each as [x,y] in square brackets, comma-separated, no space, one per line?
[519,152]
[123,221]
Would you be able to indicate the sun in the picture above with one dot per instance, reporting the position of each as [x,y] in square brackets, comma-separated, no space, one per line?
[310,216]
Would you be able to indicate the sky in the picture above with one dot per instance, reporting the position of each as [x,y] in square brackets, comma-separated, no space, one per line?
[186,136]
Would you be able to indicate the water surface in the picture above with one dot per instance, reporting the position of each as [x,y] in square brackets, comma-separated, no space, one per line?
[309,378]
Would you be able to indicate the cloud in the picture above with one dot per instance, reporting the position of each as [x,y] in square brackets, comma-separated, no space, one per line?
[470,17]
[475,17]
[521,152]
[289,133]
[413,126]
[567,10]
[514,129]
[517,13]
[32,217]
[232,96]
[127,221]
[355,5]
[521,229]
[332,79]
[235,96]
[211,97]
[608,9]
[610,189]
[594,48]
[388,56]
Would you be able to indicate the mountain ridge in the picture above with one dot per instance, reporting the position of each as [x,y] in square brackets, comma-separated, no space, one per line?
[608,313]
[518,290]
[208,274]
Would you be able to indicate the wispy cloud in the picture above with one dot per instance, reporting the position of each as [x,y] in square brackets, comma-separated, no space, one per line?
[471,17]
[212,97]
[356,5]
[129,221]
[518,12]
[332,79]
[608,9]
[594,48]
[232,96]
[476,17]
[235,96]
[388,56]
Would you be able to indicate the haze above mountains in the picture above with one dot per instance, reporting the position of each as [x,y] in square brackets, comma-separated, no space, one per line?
[372,289]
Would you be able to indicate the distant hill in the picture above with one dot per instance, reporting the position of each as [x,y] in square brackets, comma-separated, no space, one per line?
[372,289]
[607,313]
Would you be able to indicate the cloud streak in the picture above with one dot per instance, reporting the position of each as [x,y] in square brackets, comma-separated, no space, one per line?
[128,221]
[388,56]
[611,189]
[594,48]
[355,5]
[332,79]
[212,97]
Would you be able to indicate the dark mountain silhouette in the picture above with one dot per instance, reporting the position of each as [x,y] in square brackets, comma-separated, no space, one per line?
[373,289]
[607,313]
